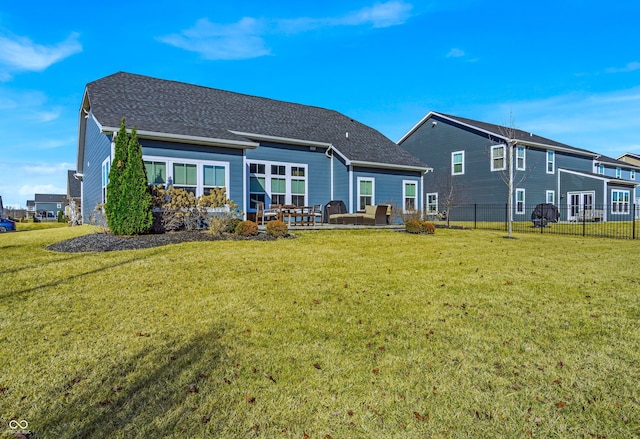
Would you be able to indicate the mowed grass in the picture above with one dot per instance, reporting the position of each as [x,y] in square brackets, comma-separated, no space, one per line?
[334,334]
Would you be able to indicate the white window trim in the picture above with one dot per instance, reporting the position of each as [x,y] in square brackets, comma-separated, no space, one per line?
[427,206]
[524,158]
[454,153]
[632,174]
[373,190]
[628,203]
[520,211]
[288,177]
[552,161]
[404,195]
[504,158]
[170,161]
[104,182]
[553,197]
[618,172]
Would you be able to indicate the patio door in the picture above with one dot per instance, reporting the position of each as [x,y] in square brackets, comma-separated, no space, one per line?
[579,202]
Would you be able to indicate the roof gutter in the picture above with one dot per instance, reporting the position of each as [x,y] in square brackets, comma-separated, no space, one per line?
[285,140]
[181,138]
[364,164]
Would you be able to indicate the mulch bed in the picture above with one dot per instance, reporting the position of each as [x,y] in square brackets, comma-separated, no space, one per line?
[106,242]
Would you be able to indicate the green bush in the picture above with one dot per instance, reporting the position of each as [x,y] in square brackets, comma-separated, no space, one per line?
[277,229]
[413,226]
[232,224]
[247,228]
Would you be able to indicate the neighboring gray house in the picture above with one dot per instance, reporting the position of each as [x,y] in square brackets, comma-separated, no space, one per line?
[258,149]
[470,162]
[47,206]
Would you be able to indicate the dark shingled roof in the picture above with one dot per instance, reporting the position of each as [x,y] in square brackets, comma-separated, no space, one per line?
[172,107]
[516,134]
[50,198]
[74,186]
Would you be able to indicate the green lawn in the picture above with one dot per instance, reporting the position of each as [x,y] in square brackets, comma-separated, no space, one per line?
[335,334]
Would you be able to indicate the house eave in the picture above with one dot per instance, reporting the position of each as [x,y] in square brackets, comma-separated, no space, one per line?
[604,178]
[284,140]
[182,138]
[377,165]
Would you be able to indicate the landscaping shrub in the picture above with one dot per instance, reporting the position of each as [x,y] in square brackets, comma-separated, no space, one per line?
[277,229]
[429,227]
[417,226]
[413,226]
[247,228]
[232,224]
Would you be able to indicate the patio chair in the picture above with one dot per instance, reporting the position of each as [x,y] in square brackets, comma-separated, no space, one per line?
[263,215]
[317,213]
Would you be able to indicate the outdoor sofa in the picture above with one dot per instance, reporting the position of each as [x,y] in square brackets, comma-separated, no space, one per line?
[375,215]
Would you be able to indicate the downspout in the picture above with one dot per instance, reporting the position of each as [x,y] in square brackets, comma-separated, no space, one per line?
[350,189]
[245,194]
[330,156]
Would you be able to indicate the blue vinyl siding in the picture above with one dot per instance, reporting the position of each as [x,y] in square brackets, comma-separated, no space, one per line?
[97,149]
[388,185]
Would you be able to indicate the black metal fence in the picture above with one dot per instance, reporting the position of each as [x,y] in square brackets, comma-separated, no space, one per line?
[621,221]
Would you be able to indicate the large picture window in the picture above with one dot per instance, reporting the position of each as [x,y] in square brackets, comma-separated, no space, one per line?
[196,176]
[498,162]
[457,163]
[619,202]
[277,183]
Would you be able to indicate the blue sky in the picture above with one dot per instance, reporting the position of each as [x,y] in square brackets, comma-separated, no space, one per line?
[568,70]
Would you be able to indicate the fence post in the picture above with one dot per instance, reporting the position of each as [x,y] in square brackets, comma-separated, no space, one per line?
[475,216]
[584,223]
[633,221]
[506,217]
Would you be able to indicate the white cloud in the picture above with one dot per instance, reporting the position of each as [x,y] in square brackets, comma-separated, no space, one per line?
[601,122]
[455,53]
[246,38]
[22,54]
[29,190]
[47,168]
[241,40]
[632,66]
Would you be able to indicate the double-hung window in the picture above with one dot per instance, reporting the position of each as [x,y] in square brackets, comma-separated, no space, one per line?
[457,163]
[106,167]
[279,184]
[366,192]
[619,202]
[618,173]
[601,169]
[632,174]
[551,162]
[410,195]
[298,185]
[498,162]
[185,176]
[432,203]
[520,201]
[521,158]
[156,172]
[214,176]
[551,197]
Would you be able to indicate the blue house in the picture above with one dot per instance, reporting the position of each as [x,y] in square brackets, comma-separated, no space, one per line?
[258,149]
[470,161]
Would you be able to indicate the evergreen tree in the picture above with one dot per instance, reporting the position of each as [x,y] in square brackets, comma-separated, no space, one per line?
[136,197]
[114,209]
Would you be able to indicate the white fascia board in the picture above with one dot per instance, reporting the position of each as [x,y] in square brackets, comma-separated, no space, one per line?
[182,138]
[285,140]
[416,126]
[556,148]
[601,178]
[364,164]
